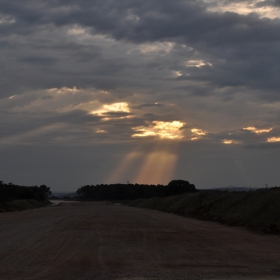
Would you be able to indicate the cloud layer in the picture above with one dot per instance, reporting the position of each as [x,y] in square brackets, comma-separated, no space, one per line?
[168,75]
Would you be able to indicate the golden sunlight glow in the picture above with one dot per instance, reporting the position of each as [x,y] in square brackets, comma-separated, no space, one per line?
[177,73]
[251,128]
[264,130]
[63,90]
[257,131]
[123,167]
[156,47]
[157,167]
[198,132]
[244,8]
[158,164]
[197,63]
[147,164]
[229,141]
[100,131]
[169,130]
[273,139]
[114,108]
[143,133]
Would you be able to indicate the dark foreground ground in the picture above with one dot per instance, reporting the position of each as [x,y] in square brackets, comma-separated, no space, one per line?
[99,241]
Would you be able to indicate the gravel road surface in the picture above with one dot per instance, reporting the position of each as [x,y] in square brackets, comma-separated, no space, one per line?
[114,242]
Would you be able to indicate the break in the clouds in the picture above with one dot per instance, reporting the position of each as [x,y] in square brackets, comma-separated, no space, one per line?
[144,91]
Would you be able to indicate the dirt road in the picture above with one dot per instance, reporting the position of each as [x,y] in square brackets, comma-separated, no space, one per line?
[106,242]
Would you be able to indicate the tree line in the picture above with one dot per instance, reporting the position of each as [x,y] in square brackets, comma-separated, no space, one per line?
[10,192]
[133,191]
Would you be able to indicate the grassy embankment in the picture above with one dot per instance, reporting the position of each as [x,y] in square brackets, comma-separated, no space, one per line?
[258,210]
[22,204]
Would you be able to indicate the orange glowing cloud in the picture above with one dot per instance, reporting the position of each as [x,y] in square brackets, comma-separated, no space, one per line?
[257,131]
[115,107]
[167,130]
[119,107]
[229,141]
[197,63]
[198,133]
[100,131]
[63,90]
[273,139]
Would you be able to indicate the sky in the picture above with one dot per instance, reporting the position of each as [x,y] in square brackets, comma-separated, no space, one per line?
[102,91]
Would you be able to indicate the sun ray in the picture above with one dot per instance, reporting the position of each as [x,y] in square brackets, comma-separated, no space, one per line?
[119,172]
[147,164]
[158,166]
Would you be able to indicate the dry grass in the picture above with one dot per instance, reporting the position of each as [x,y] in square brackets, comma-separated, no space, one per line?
[23,204]
[258,210]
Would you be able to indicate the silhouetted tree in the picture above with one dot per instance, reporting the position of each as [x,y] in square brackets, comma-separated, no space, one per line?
[9,192]
[180,186]
[133,191]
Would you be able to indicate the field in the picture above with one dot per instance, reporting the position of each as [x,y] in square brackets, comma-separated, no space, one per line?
[105,241]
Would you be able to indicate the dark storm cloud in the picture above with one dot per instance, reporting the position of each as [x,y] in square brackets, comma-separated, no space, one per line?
[62,61]
[275,3]
[249,45]
[140,21]
[243,49]
[116,114]
[240,136]
[22,123]
[14,124]
[264,146]
[141,106]
[43,61]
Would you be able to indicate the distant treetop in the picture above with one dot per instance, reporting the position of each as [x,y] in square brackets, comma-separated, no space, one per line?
[181,186]
[134,191]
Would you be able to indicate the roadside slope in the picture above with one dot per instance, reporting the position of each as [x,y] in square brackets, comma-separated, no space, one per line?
[258,210]
[22,204]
